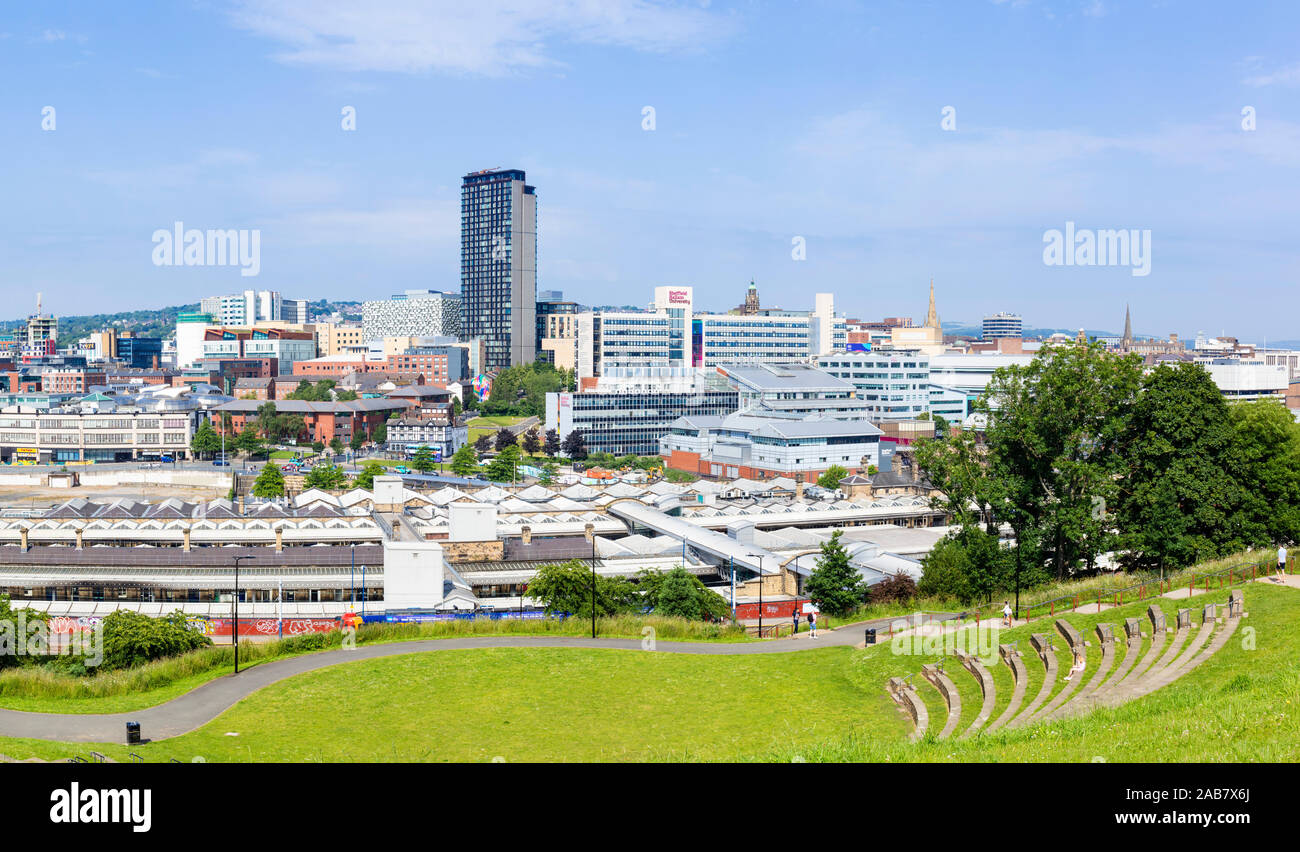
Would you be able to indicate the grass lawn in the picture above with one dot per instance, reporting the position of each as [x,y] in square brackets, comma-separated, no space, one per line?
[823,704]
[480,426]
[530,705]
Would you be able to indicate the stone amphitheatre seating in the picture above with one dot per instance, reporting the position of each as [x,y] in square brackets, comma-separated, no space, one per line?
[1149,661]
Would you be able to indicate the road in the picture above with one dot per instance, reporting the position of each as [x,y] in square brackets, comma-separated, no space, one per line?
[203,704]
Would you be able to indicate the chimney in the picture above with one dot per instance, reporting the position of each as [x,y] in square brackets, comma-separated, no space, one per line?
[187,540]
[80,532]
[279,539]
[798,489]
[23,533]
[527,533]
[916,469]
[589,532]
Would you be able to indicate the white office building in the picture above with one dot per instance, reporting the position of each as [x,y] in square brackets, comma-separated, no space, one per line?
[894,384]
[414,313]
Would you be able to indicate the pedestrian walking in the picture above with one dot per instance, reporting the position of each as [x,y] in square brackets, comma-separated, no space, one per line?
[812,624]
[1281,559]
[795,616]
[1006,613]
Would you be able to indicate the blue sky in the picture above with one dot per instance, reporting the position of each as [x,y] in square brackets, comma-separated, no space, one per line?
[819,120]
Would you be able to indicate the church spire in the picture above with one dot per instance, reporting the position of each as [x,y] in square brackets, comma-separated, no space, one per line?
[1128,328]
[932,316]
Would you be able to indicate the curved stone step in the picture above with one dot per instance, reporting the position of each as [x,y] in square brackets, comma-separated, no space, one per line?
[904,694]
[1043,645]
[1074,640]
[1106,638]
[951,696]
[1181,665]
[1138,686]
[1158,637]
[973,665]
[1019,676]
[1133,646]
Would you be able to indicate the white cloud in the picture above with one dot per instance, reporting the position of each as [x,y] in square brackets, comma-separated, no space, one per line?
[1289,76]
[488,37]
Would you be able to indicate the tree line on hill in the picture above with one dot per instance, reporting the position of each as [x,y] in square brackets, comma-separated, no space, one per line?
[1085,454]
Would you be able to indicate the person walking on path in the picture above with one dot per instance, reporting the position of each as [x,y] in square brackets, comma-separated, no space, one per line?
[812,624]
[1006,613]
[795,616]
[1281,559]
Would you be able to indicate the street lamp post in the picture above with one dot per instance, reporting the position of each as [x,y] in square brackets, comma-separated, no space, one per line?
[593,585]
[234,622]
[759,557]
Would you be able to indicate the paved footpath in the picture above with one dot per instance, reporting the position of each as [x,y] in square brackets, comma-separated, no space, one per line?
[204,703]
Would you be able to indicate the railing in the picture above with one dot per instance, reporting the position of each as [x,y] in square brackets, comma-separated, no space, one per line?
[1224,577]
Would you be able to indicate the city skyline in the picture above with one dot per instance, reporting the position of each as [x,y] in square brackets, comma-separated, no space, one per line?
[234,121]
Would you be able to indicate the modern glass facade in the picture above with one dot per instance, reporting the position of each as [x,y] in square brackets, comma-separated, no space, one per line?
[896,385]
[633,422]
[498,257]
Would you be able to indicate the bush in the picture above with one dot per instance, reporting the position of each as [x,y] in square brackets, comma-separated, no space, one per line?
[131,639]
[899,588]
[946,572]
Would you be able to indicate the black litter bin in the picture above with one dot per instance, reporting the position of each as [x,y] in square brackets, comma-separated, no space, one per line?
[132,733]
[871,635]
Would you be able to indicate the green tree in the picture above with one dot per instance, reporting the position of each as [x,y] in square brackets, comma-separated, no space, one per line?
[318,446]
[831,478]
[567,588]
[366,478]
[270,482]
[380,435]
[552,445]
[358,439]
[945,571]
[345,395]
[266,421]
[1265,462]
[423,460]
[336,446]
[521,390]
[679,592]
[326,476]
[205,440]
[504,467]
[9,632]
[532,441]
[1177,503]
[249,441]
[835,585]
[464,462]
[549,469]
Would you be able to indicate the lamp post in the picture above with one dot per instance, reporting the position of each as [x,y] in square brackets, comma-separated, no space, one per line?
[352,577]
[234,622]
[593,584]
[759,557]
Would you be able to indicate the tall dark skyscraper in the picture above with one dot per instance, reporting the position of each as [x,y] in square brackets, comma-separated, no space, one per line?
[498,265]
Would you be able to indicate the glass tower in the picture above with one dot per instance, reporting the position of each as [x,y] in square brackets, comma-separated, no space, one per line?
[498,265]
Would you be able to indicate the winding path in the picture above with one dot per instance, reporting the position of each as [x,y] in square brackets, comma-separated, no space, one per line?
[204,703]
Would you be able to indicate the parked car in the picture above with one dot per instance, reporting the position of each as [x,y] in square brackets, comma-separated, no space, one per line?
[220,463]
[167,459]
[402,469]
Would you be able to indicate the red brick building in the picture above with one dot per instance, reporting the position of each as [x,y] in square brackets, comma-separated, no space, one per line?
[324,420]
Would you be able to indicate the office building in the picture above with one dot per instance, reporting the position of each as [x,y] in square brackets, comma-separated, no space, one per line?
[140,352]
[794,391]
[1002,325]
[283,346]
[295,311]
[740,445]
[498,258]
[893,384]
[244,308]
[415,313]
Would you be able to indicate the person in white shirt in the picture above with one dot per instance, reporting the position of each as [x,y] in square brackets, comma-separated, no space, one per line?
[1006,613]
[1281,559]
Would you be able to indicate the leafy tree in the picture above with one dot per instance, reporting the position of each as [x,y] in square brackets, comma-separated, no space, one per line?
[465,461]
[205,440]
[336,446]
[456,407]
[380,435]
[366,478]
[1265,461]
[532,441]
[358,439]
[326,476]
[504,466]
[266,420]
[132,639]
[552,445]
[249,442]
[568,588]
[679,592]
[9,632]
[423,460]
[831,478]
[1055,426]
[575,446]
[1175,505]
[318,446]
[504,438]
[898,588]
[288,426]
[345,395]
[521,390]
[270,482]
[945,571]
[835,585]
[549,469]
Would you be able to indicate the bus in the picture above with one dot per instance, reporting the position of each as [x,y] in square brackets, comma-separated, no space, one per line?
[412,449]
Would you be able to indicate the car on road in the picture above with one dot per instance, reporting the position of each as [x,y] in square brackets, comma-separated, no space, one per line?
[167,459]
[220,463]
[402,469]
